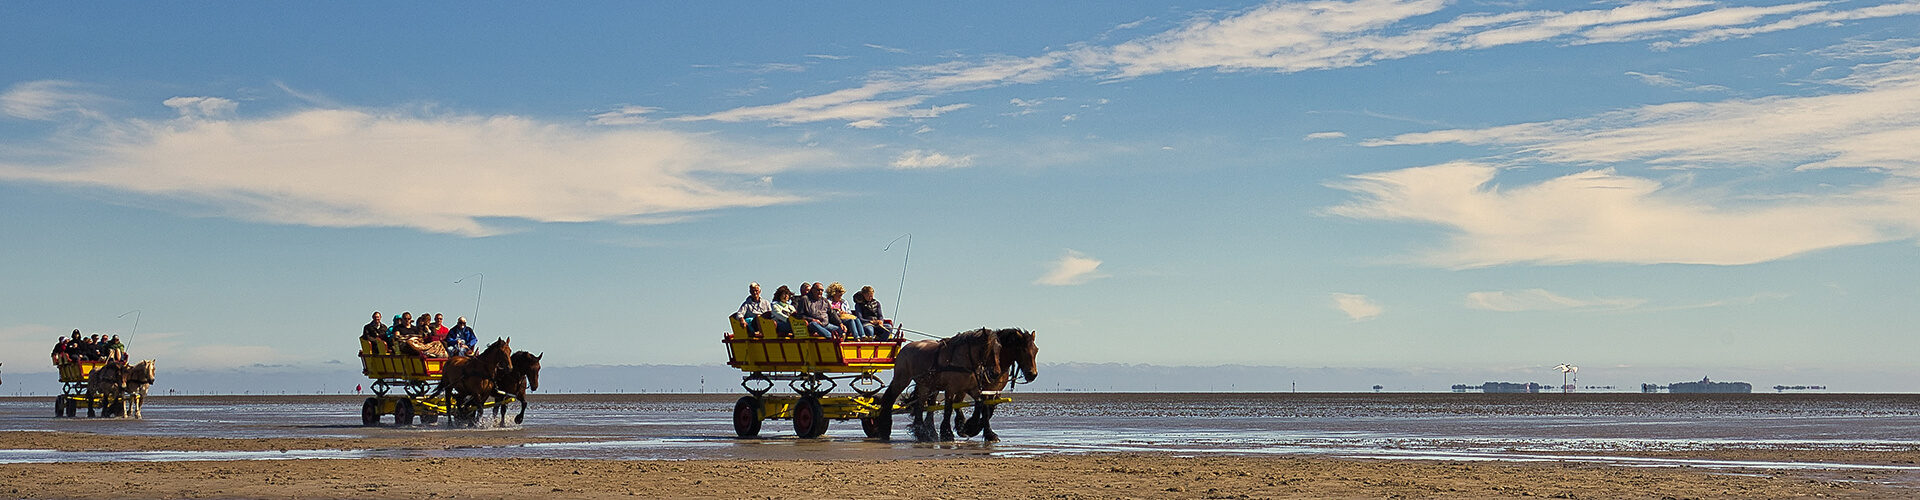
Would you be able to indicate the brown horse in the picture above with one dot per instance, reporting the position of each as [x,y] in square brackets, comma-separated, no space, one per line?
[525,376]
[468,380]
[959,366]
[108,380]
[139,379]
[1017,352]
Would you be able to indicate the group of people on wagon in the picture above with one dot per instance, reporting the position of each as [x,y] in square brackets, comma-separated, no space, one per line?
[426,336]
[824,309]
[90,348]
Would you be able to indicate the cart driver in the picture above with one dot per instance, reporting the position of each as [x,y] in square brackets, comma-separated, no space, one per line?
[460,339]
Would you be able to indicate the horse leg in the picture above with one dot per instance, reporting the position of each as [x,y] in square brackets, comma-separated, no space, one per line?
[90,399]
[523,408]
[986,424]
[946,418]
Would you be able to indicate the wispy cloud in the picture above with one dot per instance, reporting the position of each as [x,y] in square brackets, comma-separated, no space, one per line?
[1660,80]
[1325,135]
[917,159]
[1074,268]
[1357,307]
[47,100]
[1290,37]
[1601,215]
[436,172]
[1537,299]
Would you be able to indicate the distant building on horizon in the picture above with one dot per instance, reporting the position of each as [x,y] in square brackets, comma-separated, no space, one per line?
[1704,386]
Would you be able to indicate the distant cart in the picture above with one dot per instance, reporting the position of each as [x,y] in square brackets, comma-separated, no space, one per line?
[416,379]
[74,394]
[813,366]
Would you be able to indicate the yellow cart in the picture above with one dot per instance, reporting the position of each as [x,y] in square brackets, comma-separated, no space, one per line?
[418,379]
[73,392]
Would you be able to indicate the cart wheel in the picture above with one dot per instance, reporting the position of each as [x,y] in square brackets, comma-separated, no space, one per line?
[809,419]
[871,425]
[403,413]
[59,406]
[370,412]
[73,408]
[746,417]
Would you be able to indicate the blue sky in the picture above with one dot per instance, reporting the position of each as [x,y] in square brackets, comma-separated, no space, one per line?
[1408,184]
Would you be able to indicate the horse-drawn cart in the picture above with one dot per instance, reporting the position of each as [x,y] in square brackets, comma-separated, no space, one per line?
[75,392]
[417,377]
[813,366]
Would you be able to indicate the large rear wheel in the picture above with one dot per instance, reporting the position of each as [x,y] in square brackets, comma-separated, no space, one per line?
[59,406]
[403,413]
[746,417]
[73,408]
[809,419]
[370,412]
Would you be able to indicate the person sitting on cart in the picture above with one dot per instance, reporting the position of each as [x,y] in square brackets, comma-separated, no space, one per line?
[867,309]
[753,310]
[781,311]
[436,332]
[375,331]
[60,347]
[818,312]
[117,350]
[842,313]
[460,339]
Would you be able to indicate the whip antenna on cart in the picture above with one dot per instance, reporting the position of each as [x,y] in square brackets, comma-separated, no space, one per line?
[903,272]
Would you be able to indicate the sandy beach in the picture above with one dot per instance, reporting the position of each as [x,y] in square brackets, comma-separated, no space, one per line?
[1073,476]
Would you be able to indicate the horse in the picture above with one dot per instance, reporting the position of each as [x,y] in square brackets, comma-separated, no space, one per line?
[469,379]
[1017,351]
[139,379]
[959,365]
[104,383]
[525,376]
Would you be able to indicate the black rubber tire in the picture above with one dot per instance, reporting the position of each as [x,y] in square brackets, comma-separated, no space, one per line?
[746,417]
[403,413]
[73,408]
[871,425]
[809,419]
[59,406]
[370,412]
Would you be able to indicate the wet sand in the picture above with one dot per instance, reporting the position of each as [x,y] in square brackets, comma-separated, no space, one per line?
[1079,476]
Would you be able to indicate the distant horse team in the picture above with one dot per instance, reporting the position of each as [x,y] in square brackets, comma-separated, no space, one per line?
[118,382]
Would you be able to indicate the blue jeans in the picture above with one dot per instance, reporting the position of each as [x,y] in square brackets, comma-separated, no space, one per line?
[822,329]
[860,329]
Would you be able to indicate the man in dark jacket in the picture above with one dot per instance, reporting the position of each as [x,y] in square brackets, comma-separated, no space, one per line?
[460,340]
[814,308]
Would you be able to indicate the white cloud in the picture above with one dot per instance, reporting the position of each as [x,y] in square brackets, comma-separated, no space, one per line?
[1601,215]
[1074,268]
[930,159]
[1357,307]
[1536,299]
[1303,36]
[46,100]
[1659,80]
[1325,135]
[440,173]
[626,115]
[202,107]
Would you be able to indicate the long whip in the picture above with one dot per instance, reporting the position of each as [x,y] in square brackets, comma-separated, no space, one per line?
[897,291]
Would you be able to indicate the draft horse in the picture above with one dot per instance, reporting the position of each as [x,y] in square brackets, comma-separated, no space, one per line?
[959,366]
[1017,352]
[523,377]
[469,380]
